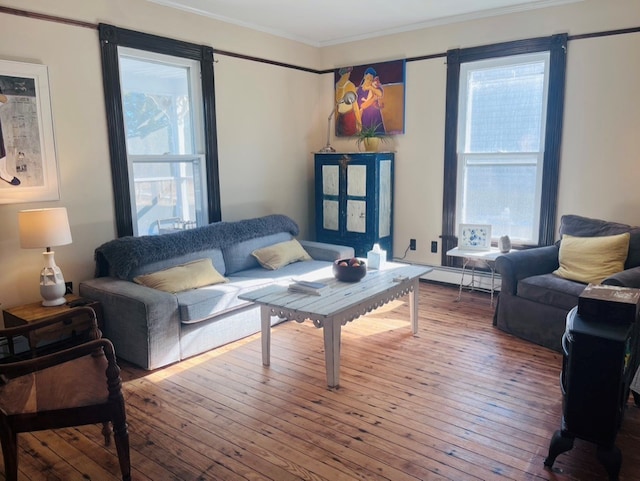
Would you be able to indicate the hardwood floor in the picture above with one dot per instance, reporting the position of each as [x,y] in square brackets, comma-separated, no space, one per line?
[461,401]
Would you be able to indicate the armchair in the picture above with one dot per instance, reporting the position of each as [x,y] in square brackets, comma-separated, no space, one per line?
[46,388]
[533,302]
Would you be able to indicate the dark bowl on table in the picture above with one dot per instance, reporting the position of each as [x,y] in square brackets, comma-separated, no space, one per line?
[349,272]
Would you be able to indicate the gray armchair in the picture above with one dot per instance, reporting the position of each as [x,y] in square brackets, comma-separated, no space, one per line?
[533,302]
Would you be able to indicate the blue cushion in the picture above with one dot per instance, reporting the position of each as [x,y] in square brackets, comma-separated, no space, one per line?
[579,226]
[237,257]
[214,254]
[204,302]
[551,290]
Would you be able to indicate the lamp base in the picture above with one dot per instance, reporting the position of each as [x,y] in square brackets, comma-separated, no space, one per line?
[52,286]
[55,302]
[328,148]
[52,292]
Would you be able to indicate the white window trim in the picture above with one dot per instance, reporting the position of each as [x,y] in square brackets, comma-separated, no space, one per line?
[197,122]
[508,158]
[195,93]
[198,160]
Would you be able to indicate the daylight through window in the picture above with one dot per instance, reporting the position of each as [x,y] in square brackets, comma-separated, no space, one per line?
[501,125]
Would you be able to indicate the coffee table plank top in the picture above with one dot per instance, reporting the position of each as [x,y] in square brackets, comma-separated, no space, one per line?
[339,296]
[337,305]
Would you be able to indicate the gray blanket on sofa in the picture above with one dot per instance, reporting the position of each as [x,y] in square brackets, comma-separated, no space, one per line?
[119,256]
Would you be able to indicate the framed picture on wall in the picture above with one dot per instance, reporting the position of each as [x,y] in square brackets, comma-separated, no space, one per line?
[378,98]
[28,164]
[474,237]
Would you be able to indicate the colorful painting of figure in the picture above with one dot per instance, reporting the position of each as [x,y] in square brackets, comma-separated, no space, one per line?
[378,103]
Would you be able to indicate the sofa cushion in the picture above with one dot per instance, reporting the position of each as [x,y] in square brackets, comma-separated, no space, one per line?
[214,254]
[579,226]
[181,278]
[633,257]
[199,304]
[592,259]
[310,270]
[280,254]
[237,257]
[119,256]
[551,290]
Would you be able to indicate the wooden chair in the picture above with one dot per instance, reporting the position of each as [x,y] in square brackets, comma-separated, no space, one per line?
[61,383]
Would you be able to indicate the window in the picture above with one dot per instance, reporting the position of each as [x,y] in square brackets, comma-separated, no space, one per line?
[159,96]
[501,144]
[502,139]
[162,109]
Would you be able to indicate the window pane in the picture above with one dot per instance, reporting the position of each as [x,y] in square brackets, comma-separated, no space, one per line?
[501,125]
[505,108]
[503,196]
[156,105]
[167,196]
[161,118]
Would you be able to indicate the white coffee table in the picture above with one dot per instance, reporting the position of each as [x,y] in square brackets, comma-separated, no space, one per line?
[341,303]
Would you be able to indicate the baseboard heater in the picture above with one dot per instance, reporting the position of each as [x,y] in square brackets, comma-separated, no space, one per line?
[453,276]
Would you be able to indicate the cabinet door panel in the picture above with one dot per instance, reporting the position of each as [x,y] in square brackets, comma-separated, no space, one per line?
[356,216]
[357,180]
[384,219]
[330,215]
[330,180]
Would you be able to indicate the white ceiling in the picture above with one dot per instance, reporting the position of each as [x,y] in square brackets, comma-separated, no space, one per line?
[330,22]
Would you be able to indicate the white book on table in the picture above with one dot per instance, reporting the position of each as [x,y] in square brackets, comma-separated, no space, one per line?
[308,287]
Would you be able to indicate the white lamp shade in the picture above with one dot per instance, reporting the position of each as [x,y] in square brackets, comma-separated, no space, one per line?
[44,228]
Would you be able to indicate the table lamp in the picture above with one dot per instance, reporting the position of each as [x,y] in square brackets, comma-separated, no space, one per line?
[349,98]
[45,228]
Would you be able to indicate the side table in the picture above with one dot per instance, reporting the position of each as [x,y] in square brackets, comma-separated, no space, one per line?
[485,258]
[35,311]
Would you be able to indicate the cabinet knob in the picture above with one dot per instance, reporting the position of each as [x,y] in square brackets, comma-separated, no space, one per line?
[344,160]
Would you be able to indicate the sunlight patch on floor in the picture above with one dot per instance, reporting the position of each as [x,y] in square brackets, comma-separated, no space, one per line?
[179,367]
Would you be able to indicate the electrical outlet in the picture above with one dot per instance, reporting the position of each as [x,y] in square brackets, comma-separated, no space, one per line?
[68,288]
[434,246]
[412,244]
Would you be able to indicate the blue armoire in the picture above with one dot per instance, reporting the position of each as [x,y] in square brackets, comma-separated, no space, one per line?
[354,199]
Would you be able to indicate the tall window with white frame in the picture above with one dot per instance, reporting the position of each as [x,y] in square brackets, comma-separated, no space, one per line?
[502,139]
[501,121]
[160,101]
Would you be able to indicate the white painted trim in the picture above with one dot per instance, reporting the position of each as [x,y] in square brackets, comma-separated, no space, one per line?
[182,5]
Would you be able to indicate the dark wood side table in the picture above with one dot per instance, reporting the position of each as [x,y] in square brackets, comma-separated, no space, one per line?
[35,311]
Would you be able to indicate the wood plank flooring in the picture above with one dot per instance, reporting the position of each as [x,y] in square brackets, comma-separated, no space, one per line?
[460,401]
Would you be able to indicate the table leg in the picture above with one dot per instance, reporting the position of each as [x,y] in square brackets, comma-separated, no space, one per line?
[331,331]
[413,304]
[465,261]
[265,318]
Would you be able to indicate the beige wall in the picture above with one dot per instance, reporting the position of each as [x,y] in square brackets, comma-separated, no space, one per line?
[271,118]
[600,160]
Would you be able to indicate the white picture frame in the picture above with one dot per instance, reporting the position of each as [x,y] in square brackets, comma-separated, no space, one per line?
[28,164]
[474,237]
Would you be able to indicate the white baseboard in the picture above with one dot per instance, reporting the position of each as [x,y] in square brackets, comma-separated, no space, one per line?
[453,275]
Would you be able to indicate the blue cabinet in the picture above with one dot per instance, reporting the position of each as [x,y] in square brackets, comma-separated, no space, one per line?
[354,199]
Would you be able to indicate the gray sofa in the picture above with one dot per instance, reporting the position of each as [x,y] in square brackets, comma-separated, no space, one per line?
[152,328]
[533,303]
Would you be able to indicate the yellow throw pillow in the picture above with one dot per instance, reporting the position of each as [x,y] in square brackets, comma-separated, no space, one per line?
[183,277]
[279,255]
[592,259]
